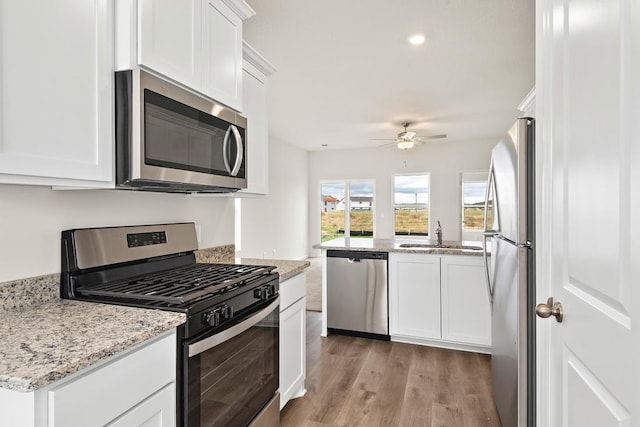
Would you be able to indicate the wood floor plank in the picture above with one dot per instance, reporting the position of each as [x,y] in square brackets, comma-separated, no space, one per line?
[361,382]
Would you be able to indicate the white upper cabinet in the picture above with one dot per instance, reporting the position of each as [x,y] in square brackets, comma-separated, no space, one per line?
[222,58]
[169,38]
[256,70]
[196,43]
[56,92]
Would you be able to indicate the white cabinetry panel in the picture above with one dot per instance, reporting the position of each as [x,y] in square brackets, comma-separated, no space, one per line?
[292,338]
[56,92]
[440,301]
[292,354]
[466,310]
[222,47]
[122,383]
[157,411]
[415,295]
[170,35]
[196,43]
[256,70]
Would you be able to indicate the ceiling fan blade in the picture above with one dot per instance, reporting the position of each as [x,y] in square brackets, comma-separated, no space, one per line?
[438,136]
[388,143]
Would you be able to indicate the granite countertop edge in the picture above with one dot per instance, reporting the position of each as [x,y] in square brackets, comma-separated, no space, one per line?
[393,245]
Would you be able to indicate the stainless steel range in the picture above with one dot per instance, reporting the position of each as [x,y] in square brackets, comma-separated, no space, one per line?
[227,351]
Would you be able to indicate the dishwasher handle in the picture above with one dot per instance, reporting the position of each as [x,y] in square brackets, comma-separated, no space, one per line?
[356,256]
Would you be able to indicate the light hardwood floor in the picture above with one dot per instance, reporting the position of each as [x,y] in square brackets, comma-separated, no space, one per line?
[363,382]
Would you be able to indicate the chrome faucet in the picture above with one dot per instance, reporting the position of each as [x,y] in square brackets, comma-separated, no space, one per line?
[439,234]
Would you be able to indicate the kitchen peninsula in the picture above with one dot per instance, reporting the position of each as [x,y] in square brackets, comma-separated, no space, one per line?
[437,293]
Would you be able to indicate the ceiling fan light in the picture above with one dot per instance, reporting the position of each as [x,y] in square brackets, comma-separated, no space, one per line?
[416,39]
[405,145]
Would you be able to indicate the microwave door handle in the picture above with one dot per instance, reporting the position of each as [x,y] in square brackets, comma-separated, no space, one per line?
[239,150]
[225,145]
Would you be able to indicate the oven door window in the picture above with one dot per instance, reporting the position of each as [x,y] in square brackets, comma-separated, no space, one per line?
[229,383]
[181,137]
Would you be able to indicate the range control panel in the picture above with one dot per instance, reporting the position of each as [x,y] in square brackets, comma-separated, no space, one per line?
[146,239]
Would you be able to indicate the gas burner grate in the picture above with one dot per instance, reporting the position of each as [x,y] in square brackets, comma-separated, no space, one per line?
[180,285]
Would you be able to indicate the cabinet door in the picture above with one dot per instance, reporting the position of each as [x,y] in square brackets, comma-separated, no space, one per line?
[56,92]
[255,110]
[466,311]
[158,410]
[169,39]
[414,295]
[222,53]
[292,351]
[124,382]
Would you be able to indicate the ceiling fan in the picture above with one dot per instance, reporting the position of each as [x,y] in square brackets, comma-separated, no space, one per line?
[407,139]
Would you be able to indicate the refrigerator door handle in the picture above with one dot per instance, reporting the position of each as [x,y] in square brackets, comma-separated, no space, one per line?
[488,233]
[485,255]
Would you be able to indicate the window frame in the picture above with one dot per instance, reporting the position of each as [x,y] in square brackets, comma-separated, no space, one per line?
[347,205]
[394,206]
[470,177]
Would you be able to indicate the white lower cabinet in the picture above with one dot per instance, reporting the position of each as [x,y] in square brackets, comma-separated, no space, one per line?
[158,410]
[440,301]
[292,338]
[414,296]
[466,310]
[136,388]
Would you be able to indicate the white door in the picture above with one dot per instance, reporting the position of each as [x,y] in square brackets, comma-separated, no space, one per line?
[588,248]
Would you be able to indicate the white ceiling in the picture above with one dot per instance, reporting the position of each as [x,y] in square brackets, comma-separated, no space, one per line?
[346,72]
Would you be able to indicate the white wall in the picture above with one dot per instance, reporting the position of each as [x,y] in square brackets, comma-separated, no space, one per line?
[276,226]
[31,219]
[444,161]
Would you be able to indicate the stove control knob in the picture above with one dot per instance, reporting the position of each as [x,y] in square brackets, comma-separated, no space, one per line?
[262,292]
[227,312]
[212,318]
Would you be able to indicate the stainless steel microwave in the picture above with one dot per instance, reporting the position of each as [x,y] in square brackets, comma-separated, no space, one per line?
[171,140]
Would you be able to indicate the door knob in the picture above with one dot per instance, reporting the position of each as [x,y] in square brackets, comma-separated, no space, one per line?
[550,309]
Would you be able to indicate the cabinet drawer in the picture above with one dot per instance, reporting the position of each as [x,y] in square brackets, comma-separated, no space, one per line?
[108,391]
[157,411]
[292,289]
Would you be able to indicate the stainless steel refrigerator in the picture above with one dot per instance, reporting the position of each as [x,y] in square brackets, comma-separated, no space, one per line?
[509,229]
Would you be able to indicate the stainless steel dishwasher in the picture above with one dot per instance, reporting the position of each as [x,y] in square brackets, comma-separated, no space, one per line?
[357,301]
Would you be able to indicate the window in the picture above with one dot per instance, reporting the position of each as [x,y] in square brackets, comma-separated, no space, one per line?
[411,205]
[341,198]
[474,188]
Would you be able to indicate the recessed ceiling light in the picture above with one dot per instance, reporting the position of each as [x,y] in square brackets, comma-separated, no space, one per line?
[325,145]
[416,39]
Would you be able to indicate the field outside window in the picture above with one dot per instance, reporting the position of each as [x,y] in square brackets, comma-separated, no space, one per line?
[340,198]
[411,205]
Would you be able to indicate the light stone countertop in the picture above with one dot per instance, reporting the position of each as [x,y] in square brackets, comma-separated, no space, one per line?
[49,341]
[286,268]
[393,245]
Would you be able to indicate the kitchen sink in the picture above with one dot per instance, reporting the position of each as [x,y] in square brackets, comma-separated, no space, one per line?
[434,246]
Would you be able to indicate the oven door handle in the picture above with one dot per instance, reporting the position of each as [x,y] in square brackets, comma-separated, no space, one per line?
[217,339]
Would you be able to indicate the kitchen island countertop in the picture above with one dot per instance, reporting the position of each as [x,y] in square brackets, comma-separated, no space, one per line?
[394,245]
